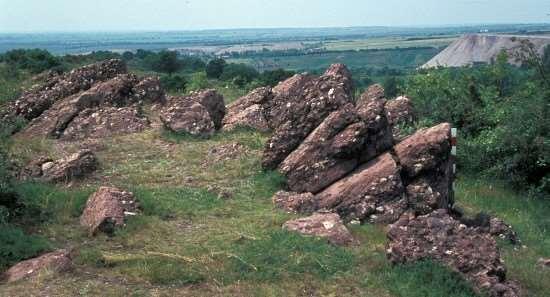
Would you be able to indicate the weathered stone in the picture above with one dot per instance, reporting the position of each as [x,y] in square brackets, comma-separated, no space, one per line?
[248,111]
[107,209]
[544,263]
[324,225]
[58,261]
[66,169]
[293,202]
[149,89]
[439,237]
[299,105]
[370,108]
[400,112]
[38,99]
[214,104]
[330,152]
[424,150]
[182,115]
[373,189]
[105,122]
[117,92]
[373,93]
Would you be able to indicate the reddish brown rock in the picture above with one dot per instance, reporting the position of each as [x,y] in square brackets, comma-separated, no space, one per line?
[370,108]
[424,150]
[299,105]
[117,92]
[330,152]
[293,202]
[66,169]
[187,116]
[372,93]
[248,111]
[58,261]
[439,237]
[544,263]
[214,104]
[324,225]
[149,89]
[107,209]
[400,112]
[105,122]
[372,192]
[39,98]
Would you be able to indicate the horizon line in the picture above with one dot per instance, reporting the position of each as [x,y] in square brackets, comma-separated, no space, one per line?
[418,26]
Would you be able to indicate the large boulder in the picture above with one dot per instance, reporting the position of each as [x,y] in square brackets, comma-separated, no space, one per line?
[104,122]
[198,114]
[426,159]
[373,192]
[117,92]
[58,261]
[293,202]
[299,105]
[439,237]
[324,225]
[41,97]
[107,209]
[248,111]
[331,151]
[71,167]
[187,116]
[214,104]
[399,112]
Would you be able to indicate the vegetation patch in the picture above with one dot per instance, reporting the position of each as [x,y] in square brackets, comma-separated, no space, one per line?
[283,254]
[15,246]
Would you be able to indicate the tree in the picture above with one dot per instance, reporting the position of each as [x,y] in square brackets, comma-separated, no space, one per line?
[174,83]
[391,87]
[166,61]
[272,78]
[214,68]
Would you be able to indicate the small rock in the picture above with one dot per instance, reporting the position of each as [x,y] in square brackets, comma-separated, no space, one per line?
[325,225]
[58,261]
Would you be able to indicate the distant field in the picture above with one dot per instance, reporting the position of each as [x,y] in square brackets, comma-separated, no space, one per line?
[399,59]
[389,42]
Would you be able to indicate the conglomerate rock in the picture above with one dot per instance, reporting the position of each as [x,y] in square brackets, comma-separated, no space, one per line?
[324,225]
[107,209]
[58,261]
[198,114]
[117,92]
[248,111]
[439,237]
[36,100]
[299,105]
[66,169]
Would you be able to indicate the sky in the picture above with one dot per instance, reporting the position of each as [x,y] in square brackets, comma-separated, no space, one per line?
[153,15]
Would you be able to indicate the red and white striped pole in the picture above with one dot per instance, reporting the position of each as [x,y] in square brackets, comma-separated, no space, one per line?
[454,133]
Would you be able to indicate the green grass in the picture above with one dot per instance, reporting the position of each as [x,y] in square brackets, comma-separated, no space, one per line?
[426,279]
[16,245]
[288,255]
[529,218]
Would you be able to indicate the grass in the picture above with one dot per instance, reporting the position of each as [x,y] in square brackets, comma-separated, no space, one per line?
[529,218]
[192,241]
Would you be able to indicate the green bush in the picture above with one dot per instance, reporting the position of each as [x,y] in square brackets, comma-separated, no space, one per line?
[33,60]
[174,83]
[215,67]
[15,246]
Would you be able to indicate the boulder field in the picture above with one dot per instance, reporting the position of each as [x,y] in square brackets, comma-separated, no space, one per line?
[345,160]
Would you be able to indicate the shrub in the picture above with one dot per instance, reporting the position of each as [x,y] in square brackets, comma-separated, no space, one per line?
[15,246]
[33,60]
[175,83]
[214,68]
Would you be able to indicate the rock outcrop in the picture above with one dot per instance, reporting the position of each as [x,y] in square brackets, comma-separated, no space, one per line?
[66,169]
[199,114]
[41,97]
[248,111]
[467,250]
[324,225]
[58,261]
[400,112]
[107,209]
[293,202]
[299,105]
[122,91]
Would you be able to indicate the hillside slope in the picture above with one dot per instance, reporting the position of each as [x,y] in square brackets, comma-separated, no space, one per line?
[481,48]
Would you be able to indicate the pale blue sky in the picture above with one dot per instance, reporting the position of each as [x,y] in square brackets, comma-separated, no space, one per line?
[106,15]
